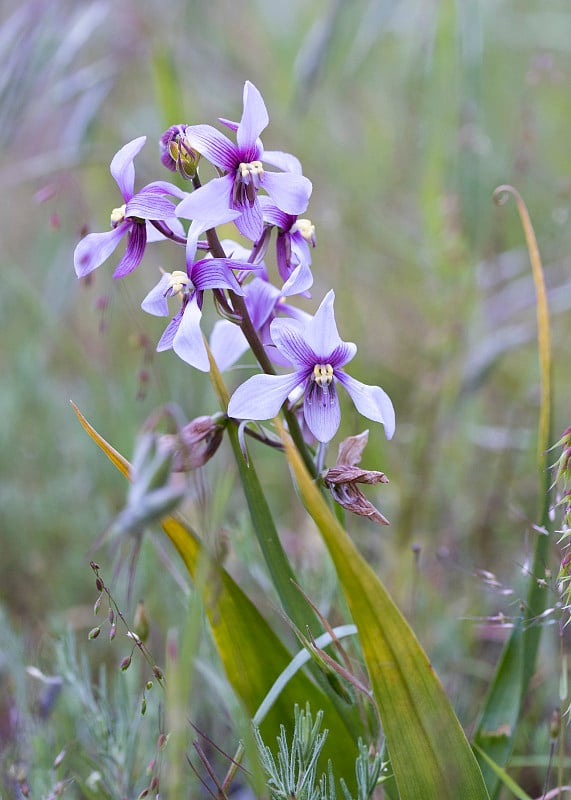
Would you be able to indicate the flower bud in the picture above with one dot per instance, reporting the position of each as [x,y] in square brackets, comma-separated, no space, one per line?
[94,633]
[176,154]
[125,663]
[196,443]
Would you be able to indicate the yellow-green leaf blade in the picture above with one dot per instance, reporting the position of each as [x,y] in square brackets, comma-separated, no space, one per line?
[430,754]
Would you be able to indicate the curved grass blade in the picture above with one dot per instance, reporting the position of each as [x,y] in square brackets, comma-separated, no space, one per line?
[497,725]
[429,753]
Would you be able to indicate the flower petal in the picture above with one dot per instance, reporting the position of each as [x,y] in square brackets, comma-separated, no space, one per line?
[210,202]
[321,410]
[123,169]
[135,250]
[213,145]
[254,119]
[150,203]
[216,273]
[227,344]
[289,338]
[289,192]
[250,222]
[300,280]
[155,302]
[166,340]
[261,396]
[321,333]
[284,161]
[370,401]
[95,248]
[188,342]
[261,299]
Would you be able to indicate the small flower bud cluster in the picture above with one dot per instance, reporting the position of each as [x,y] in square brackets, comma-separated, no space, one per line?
[137,633]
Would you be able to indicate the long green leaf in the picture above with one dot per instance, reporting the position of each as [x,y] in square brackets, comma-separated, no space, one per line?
[430,755]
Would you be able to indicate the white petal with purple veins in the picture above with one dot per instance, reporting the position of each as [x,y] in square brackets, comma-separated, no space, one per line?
[284,161]
[289,338]
[370,401]
[262,396]
[321,410]
[213,145]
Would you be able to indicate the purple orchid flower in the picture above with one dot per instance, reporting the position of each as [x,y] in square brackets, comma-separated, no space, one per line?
[318,355]
[130,219]
[244,172]
[263,302]
[293,238]
[183,333]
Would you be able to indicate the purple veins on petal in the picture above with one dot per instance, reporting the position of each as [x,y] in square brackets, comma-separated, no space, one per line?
[122,167]
[134,252]
[261,396]
[95,248]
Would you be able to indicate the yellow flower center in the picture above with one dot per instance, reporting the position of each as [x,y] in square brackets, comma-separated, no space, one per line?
[253,169]
[306,228]
[178,282]
[323,374]
[118,215]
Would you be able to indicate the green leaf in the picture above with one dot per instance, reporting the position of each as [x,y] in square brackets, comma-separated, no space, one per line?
[430,755]
[516,790]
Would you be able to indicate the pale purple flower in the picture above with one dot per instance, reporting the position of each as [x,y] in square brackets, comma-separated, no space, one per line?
[317,354]
[130,219]
[244,172]
[294,236]
[183,333]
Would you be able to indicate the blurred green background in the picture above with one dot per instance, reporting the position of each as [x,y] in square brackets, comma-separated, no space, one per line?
[406,116]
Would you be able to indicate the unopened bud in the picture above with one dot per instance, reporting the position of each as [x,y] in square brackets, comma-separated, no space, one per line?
[99,584]
[112,632]
[158,673]
[176,154]
[143,706]
[149,686]
[125,663]
[144,793]
[94,633]
[196,443]
[97,605]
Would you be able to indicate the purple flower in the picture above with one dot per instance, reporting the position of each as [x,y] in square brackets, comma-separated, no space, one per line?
[130,219]
[244,172]
[317,355]
[293,238]
[183,333]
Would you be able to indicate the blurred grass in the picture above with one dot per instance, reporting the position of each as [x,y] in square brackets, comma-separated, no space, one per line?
[406,116]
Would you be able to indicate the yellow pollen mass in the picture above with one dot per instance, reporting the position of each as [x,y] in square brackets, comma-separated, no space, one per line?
[252,168]
[118,215]
[306,228]
[178,282]
[323,374]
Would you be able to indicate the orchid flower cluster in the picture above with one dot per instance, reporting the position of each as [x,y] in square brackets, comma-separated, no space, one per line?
[255,312]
